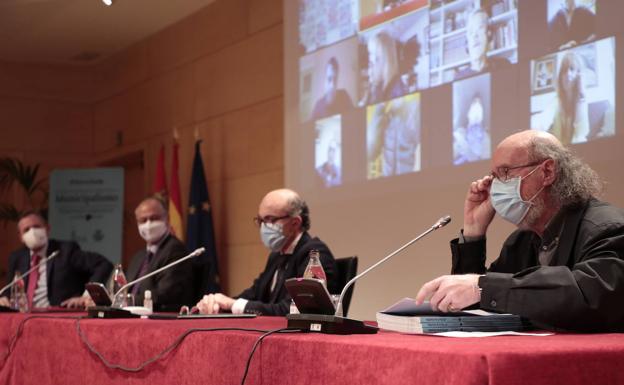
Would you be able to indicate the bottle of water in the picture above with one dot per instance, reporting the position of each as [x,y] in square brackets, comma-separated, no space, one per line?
[118,279]
[314,268]
[18,300]
[147,300]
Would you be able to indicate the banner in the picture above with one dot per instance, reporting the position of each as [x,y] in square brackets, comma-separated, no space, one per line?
[86,206]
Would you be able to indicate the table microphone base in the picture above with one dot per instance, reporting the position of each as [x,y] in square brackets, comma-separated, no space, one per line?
[328,324]
[109,312]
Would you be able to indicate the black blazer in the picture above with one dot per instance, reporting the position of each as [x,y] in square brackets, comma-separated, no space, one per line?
[67,273]
[171,288]
[581,289]
[261,301]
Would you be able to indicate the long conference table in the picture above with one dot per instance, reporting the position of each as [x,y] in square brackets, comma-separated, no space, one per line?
[64,348]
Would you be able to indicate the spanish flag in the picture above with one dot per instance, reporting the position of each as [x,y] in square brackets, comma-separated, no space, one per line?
[175,216]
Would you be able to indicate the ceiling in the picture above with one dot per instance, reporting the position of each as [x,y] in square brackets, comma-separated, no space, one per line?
[82,31]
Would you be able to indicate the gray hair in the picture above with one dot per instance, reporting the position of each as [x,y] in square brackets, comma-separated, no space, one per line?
[297,206]
[576,182]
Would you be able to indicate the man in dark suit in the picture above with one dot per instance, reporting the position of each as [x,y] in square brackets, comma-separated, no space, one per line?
[284,221]
[173,287]
[60,281]
[563,267]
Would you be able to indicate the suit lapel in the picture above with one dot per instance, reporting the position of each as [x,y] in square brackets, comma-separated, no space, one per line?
[571,224]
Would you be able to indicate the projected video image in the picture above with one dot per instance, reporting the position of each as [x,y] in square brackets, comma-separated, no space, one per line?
[573,92]
[324,22]
[328,81]
[393,137]
[465,40]
[394,59]
[571,22]
[328,151]
[375,12]
[471,117]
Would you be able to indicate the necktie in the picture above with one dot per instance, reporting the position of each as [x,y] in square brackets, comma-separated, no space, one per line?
[142,271]
[33,279]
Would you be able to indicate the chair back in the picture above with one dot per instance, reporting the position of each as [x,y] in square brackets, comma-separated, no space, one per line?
[347,269]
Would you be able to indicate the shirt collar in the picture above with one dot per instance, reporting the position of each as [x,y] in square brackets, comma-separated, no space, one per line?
[43,253]
[293,244]
[553,230]
[153,248]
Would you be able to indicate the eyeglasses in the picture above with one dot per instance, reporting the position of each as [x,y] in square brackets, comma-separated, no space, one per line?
[502,173]
[258,220]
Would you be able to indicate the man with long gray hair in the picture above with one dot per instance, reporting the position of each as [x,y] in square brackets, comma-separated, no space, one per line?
[563,268]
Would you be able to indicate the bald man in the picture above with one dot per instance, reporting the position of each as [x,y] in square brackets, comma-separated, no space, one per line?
[563,267]
[284,221]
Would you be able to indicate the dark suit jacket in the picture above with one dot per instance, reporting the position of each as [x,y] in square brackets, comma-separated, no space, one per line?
[171,288]
[581,289]
[261,301]
[67,272]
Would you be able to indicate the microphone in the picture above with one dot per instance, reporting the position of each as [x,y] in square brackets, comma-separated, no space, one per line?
[439,224]
[146,276]
[337,324]
[27,273]
[112,312]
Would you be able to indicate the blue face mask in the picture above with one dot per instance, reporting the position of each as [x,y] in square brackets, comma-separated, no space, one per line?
[272,236]
[507,201]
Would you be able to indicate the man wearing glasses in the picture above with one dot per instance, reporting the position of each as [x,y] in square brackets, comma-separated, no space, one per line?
[563,267]
[284,220]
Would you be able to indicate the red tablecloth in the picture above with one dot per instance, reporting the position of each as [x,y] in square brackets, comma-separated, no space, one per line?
[50,351]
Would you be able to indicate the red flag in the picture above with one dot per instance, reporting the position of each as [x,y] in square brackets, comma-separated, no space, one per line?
[175,204]
[160,181]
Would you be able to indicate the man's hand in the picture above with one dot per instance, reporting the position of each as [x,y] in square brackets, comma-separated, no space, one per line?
[450,293]
[78,302]
[4,301]
[478,210]
[213,303]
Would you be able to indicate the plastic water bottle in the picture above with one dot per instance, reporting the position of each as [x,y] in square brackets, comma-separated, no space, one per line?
[147,300]
[18,300]
[118,279]
[315,268]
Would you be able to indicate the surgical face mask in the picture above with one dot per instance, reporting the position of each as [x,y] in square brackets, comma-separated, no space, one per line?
[272,235]
[507,201]
[35,238]
[152,231]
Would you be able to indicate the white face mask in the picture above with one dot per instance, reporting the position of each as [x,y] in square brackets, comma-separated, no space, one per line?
[152,231]
[35,238]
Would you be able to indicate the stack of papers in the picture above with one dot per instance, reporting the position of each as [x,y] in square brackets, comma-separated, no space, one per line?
[406,317]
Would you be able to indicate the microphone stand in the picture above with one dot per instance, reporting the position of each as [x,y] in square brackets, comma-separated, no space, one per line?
[27,273]
[114,312]
[337,324]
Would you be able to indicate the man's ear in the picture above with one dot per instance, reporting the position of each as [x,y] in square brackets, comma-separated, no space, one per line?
[550,172]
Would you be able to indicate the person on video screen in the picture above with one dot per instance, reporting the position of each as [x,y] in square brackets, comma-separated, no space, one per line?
[472,141]
[478,37]
[329,171]
[570,123]
[571,25]
[384,80]
[334,100]
[393,139]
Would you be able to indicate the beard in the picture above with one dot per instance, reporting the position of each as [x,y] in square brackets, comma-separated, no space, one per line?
[535,213]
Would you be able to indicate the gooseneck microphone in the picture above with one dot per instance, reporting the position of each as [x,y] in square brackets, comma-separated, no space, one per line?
[27,273]
[146,276]
[113,312]
[439,224]
[337,324]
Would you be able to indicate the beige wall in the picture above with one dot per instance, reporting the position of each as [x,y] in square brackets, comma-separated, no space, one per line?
[217,75]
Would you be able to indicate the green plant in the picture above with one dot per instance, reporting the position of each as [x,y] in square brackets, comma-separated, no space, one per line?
[15,173]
